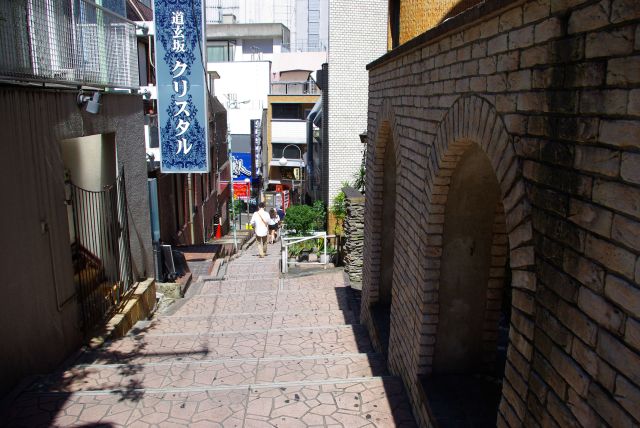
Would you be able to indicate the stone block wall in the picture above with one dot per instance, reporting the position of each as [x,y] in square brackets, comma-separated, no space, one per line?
[354,236]
[550,91]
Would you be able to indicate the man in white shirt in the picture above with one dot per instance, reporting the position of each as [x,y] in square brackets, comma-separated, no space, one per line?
[260,223]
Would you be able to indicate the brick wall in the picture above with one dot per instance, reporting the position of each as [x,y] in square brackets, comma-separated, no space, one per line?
[550,90]
[350,49]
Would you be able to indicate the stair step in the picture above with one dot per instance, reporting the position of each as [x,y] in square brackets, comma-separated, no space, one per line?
[293,342]
[212,373]
[378,401]
[262,302]
[244,321]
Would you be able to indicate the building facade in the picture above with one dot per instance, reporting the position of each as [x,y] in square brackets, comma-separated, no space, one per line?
[502,215]
[76,232]
[350,49]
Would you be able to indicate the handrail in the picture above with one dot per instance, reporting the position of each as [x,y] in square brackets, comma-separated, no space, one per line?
[285,242]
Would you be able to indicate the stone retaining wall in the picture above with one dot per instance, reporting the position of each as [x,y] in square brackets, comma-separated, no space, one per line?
[354,236]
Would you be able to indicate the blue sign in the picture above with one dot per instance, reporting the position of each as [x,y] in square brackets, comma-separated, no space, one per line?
[241,166]
[182,90]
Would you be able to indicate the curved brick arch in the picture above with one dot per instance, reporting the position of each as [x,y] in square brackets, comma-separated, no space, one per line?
[386,134]
[470,121]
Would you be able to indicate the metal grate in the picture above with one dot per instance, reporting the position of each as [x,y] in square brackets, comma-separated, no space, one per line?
[67,41]
[101,250]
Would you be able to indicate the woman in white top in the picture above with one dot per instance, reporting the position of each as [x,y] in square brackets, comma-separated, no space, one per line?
[274,220]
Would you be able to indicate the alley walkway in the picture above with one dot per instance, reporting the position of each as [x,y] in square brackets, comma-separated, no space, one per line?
[253,350]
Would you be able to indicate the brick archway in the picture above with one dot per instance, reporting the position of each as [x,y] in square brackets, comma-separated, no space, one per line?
[472,122]
[385,138]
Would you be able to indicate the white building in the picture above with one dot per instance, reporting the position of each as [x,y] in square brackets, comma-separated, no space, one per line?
[242,88]
[236,41]
[307,20]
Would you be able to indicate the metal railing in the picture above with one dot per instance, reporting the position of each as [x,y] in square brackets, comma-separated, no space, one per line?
[67,41]
[288,241]
[308,87]
[101,251]
[319,45]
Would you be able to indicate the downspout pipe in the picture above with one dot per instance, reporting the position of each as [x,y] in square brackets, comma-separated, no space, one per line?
[191,208]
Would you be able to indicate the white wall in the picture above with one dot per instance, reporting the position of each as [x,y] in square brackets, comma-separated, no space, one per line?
[357,36]
[250,83]
[284,131]
[311,61]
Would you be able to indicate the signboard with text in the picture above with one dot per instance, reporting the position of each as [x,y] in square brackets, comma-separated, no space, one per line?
[241,166]
[182,91]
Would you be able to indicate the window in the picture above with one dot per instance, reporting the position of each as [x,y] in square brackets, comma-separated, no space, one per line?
[287,111]
[257,46]
[314,28]
[223,51]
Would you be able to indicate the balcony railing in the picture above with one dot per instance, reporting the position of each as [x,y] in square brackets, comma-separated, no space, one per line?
[67,41]
[295,88]
[317,45]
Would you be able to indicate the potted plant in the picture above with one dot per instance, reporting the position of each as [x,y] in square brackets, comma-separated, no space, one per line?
[294,252]
[331,255]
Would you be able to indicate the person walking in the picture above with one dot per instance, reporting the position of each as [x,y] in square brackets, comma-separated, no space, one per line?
[274,220]
[260,223]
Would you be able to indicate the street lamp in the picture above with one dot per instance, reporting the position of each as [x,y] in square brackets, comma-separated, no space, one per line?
[247,181]
[283,160]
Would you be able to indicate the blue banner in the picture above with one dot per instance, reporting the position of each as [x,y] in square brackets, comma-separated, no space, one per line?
[182,90]
[241,166]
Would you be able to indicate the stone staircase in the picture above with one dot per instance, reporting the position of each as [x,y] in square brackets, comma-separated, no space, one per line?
[253,350]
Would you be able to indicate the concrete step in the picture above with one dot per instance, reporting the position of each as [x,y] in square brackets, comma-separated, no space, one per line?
[239,285]
[242,321]
[211,373]
[372,401]
[324,340]
[259,302]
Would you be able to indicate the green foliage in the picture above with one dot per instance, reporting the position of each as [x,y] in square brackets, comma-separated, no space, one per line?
[295,249]
[339,208]
[238,206]
[361,173]
[321,215]
[304,219]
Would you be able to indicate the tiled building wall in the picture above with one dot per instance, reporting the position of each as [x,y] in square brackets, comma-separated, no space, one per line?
[550,90]
[416,16]
[358,35]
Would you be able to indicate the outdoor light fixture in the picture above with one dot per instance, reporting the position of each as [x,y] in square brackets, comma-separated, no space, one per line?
[283,160]
[93,103]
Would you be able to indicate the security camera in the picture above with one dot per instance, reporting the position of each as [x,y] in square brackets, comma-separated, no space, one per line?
[93,103]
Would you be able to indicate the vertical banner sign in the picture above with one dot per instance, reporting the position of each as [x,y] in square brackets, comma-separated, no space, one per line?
[182,90]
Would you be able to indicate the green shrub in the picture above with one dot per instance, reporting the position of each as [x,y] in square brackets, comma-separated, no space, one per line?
[339,211]
[321,215]
[301,218]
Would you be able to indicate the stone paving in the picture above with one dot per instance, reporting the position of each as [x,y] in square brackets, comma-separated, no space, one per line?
[253,350]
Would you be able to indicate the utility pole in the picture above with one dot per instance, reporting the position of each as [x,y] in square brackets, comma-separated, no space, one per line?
[233,209]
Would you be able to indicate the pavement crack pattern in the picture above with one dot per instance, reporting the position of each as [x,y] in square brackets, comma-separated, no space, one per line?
[253,350]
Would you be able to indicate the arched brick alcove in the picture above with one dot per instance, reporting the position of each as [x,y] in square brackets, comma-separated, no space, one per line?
[383,165]
[472,139]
